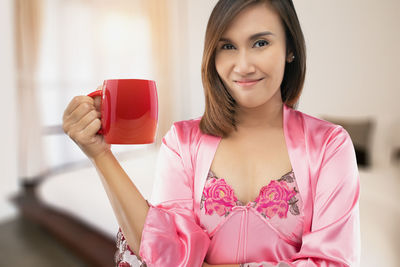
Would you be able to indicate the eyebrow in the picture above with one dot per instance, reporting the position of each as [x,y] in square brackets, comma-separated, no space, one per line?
[252,37]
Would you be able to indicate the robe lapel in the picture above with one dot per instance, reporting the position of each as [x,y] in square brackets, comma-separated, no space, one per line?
[205,155]
[293,128]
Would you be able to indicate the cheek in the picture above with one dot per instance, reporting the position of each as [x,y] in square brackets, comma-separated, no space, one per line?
[273,63]
[221,65]
[274,69]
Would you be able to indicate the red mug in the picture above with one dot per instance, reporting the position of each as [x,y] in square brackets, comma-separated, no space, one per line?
[129,111]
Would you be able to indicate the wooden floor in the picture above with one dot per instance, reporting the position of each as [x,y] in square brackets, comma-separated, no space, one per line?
[92,246]
[23,243]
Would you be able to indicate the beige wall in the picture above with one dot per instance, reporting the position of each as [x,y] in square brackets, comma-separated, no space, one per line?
[353,64]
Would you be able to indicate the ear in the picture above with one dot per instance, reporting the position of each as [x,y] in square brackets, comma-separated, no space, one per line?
[290,57]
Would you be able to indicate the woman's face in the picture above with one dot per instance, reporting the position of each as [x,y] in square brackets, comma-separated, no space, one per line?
[251,56]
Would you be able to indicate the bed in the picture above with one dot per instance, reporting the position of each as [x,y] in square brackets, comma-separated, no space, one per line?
[73,206]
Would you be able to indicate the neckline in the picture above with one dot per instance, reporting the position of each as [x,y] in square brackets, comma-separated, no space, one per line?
[295,132]
[254,202]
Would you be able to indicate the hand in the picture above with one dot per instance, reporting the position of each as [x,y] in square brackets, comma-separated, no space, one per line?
[81,121]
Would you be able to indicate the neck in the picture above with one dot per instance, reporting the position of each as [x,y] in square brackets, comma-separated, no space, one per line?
[261,118]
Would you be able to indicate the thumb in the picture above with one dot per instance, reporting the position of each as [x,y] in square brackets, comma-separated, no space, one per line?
[97,103]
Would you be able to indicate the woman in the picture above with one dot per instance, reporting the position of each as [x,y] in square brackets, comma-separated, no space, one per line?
[252,182]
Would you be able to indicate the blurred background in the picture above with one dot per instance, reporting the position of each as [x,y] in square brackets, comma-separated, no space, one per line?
[53,209]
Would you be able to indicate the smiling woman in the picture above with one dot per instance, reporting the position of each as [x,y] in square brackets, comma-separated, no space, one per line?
[253,182]
[253,49]
[222,172]
[250,60]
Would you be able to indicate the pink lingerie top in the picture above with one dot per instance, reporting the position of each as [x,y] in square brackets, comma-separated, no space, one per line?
[308,217]
[274,214]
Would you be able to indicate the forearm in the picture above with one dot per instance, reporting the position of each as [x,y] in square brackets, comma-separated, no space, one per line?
[130,208]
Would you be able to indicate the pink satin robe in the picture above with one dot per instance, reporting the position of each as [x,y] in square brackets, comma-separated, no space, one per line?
[324,163]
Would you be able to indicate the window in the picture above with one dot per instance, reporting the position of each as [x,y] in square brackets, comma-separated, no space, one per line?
[82,43]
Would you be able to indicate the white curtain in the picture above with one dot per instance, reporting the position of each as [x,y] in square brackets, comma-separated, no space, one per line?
[27,30]
[83,42]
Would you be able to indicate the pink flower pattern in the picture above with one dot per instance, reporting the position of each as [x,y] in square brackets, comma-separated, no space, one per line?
[219,197]
[276,198]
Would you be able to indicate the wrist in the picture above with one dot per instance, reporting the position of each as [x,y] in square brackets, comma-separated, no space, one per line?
[104,155]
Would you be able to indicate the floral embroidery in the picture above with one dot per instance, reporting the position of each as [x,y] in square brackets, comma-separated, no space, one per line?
[124,256]
[294,209]
[218,197]
[276,198]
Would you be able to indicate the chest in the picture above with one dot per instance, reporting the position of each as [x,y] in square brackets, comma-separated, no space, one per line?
[248,164]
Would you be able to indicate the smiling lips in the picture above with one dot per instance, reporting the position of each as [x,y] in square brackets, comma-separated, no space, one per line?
[247,82]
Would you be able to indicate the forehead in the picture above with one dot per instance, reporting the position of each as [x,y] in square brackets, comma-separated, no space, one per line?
[255,18]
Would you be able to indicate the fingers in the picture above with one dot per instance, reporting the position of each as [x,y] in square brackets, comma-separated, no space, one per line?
[86,120]
[77,114]
[75,103]
[87,135]
[81,119]
[97,99]
[97,103]
[84,132]
[92,129]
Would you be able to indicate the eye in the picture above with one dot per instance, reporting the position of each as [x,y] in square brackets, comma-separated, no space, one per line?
[227,47]
[261,43]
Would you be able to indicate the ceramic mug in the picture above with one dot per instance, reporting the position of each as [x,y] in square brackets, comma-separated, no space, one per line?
[129,111]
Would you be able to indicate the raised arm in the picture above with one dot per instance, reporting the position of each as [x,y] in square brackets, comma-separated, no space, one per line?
[81,122]
[166,234]
[129,206]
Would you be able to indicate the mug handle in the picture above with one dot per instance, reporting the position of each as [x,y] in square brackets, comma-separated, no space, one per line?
[93,95]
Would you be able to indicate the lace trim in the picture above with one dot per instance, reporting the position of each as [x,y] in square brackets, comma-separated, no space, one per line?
[276,198]
[124,256]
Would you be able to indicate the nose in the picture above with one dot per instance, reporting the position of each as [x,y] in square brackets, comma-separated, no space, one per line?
[244,64]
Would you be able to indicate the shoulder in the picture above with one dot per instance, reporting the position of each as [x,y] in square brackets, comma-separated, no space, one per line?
[183,136]
[314,123]
[316,128]
[185,131]
[322,139]
[186,127]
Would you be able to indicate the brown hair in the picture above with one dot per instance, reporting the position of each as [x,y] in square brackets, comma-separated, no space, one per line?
[219,115]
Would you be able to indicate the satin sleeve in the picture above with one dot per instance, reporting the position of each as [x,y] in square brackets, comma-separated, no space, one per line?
[334,237]
[172,236]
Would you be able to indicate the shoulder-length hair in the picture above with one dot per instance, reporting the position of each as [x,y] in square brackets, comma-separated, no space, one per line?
[219,115]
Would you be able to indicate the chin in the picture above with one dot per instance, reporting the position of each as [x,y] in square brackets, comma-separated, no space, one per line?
[252,104]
